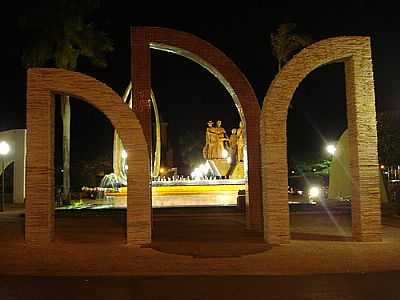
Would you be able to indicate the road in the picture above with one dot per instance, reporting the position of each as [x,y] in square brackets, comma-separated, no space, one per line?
[312,287]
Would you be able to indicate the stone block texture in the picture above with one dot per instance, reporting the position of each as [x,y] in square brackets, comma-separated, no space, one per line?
[355,53]
[42,85]
[217,63]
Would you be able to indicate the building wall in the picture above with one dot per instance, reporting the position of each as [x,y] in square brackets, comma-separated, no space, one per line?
[16,139]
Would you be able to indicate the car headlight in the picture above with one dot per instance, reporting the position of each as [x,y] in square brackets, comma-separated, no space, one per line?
[314,192]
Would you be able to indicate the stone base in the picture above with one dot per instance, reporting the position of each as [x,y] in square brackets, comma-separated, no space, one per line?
[238,171]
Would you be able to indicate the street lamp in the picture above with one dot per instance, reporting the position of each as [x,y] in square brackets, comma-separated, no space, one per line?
[4,149]
[331,149]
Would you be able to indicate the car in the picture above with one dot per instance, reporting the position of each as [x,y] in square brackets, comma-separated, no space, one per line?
[307,189]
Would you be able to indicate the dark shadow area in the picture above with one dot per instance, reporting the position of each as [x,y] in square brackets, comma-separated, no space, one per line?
[12,225]
[90,226]
[332,286]
[392,221]
[206,235]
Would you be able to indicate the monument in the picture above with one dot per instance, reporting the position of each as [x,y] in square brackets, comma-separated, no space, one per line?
[224,154]
[240,142]
[233,139]
[265,132]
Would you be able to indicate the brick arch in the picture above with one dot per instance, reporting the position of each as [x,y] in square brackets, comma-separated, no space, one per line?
[225,70]
[42,85]
[355,53]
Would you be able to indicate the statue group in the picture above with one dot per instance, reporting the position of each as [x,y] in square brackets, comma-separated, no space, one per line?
[219,145]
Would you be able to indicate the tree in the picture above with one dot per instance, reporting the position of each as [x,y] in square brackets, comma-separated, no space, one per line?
[389,137]
[57,34]
[286,41]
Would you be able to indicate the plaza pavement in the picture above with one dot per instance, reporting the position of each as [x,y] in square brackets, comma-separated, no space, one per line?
[196,242]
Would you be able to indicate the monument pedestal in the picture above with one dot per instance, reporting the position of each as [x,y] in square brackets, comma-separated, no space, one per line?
[238,171]
[220,167]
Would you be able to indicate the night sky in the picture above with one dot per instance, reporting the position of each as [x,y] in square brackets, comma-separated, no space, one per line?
[188,95]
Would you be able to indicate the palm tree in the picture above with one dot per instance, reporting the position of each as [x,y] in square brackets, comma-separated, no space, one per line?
[285,42]
[57,35]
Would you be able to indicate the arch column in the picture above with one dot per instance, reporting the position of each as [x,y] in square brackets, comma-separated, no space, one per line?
[218,64]
[355,53]
[42,85]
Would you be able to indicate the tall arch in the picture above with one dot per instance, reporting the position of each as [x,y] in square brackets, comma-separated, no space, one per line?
[42,85]
[225,70]
[355,53]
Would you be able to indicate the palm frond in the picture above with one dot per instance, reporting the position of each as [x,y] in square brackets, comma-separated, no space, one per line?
[285,42]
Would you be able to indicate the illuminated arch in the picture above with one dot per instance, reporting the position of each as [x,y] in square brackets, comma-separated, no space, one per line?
[355,53]
[42,85]
[224,69]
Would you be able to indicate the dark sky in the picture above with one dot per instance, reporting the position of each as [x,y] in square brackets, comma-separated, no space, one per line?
[188,95]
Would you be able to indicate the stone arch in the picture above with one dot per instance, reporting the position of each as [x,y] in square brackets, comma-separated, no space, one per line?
[225,70]
[355,53]
[43,83]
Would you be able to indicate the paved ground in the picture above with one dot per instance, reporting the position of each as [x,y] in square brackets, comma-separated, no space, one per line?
[196,242]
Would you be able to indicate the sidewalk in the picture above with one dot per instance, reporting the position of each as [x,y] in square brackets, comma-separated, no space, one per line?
[197,244]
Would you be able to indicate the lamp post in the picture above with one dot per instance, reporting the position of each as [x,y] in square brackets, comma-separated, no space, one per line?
[4,149]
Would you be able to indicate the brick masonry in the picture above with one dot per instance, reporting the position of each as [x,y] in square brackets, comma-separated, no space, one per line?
[355,53]
[42,85]
[209,57]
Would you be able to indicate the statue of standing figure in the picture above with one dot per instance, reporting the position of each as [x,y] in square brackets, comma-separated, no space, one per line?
[240,142]
[216,139]
[222,141]
[211,140]
[233,139]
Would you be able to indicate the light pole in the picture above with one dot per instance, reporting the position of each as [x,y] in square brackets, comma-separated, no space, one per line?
[4,149]
[331,149]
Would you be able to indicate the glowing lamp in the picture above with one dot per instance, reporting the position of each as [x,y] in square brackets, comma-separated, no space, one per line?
[331,149]
[314,192]
[4,148]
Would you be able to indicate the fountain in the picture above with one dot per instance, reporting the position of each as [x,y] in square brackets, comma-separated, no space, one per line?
[217,181]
